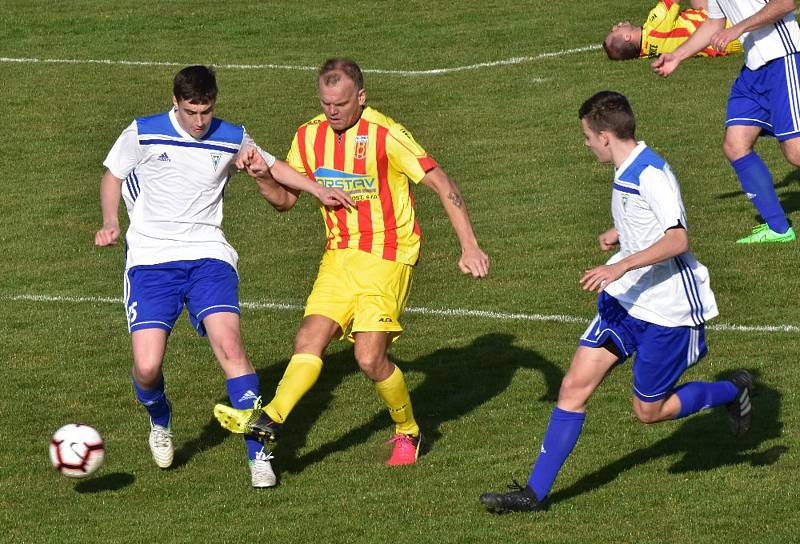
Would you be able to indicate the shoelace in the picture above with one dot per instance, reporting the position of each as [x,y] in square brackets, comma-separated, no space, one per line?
[403,444]
[264,456]
[161,437]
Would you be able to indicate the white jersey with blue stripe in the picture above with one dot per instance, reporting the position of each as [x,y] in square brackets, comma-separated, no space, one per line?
[764,44]
[173,185]
[645,203]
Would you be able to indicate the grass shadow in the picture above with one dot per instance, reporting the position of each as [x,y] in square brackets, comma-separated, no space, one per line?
[789,200]
[456,382]
[107,482]
[212,434]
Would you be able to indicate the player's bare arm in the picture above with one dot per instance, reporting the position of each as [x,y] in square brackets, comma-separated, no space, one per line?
[668,62]
[280,184]
[771,12]
[110,193]
[608,239]
[328,196]
[674,242]
[473,260]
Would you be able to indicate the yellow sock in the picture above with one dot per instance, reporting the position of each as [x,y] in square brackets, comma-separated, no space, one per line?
[394,393]
[301,373]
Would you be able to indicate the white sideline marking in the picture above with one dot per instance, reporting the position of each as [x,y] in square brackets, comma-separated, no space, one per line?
[432,72]
[445,312]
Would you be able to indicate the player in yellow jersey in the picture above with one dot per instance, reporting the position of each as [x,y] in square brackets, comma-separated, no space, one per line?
[365,274]
[665,28]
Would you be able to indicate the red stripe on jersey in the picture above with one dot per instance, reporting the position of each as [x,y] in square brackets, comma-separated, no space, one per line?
[319,159]
[668,3]
[675,33]
[319,144]
[364,207]
[387,206]
[427,163]
[301,144]
[339,144]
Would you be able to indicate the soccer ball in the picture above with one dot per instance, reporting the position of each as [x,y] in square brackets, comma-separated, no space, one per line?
[77,450]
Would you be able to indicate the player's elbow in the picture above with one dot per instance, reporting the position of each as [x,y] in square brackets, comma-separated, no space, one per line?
[679,239]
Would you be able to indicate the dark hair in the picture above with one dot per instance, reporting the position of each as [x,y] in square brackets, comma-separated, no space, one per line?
[618,48]
[609,111]
[332,70]
[197,84]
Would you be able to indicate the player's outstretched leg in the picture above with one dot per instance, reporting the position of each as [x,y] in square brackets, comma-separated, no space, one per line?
[740,410]
[253,422]
[521,499]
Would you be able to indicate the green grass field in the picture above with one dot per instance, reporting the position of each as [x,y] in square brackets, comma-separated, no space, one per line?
[483,385]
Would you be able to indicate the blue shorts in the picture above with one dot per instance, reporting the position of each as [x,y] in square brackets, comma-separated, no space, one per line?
[768,97]
[156,294]
[662,353]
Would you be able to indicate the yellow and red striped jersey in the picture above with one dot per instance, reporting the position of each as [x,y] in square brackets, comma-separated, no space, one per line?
[667,27]
[374,161]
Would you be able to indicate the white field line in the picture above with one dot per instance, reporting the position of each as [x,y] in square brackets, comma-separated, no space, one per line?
[431,72]
[444,312]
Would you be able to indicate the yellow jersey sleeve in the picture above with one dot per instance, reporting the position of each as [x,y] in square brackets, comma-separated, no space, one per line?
[294,158]
[406,155]
[658,28]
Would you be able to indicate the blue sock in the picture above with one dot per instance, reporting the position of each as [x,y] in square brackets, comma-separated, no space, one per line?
[561,436]
[155,402]
[755,179]
[696,396]
[243,391]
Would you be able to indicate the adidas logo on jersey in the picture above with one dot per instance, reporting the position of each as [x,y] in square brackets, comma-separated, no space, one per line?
[164,157]
[248,395]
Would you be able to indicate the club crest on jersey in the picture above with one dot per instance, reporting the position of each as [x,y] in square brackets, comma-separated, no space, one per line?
[362,142]
[215,158]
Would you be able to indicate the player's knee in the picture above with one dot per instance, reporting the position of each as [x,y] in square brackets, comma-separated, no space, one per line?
[376,366]
[792,155]
[229,350]
[147,374]
[647,412]
[572,396]
[570,386]
[369,363]
[734,150]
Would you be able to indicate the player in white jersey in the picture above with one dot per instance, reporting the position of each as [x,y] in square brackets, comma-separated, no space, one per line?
[171,169]
[764,99]
[654,300]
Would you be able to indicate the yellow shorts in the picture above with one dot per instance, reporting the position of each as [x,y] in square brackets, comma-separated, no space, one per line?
[358,288]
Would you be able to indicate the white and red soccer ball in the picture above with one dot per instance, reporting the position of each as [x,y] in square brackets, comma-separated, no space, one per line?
[77,450]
